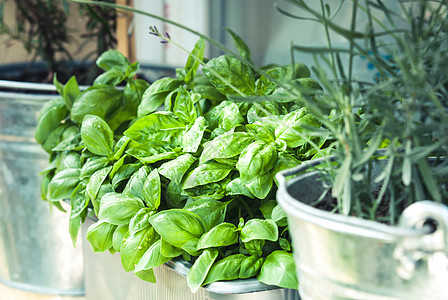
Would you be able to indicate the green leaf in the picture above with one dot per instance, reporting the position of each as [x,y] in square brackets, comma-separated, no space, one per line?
[111,77]
[50,118]
[159,126]
[155,95]
[140,220]
[236,187]
[151,259]
[261,185]
[168,250]
[135,185]
[94,185]
[98,100]
[175,169]
[279,216]
[255,247]
[118,236]
[200,269]
[173,195]
[63,184]
[226,146]
[212,211]
[256,159]
[230,76]
[118,209]
[134,245]
[184,106]
[152,190]
[226,116]
[206,173]
[97,136]
[194,61]
[224,234]
[250,266]
[261,132]
[191,140]
[112,59]
[279,269]
[259,229]
[123,173]
[292,127]
[178,226]
[240,45]
[100,235]
[70,92]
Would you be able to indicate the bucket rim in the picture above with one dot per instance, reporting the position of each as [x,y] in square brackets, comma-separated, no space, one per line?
[333,221]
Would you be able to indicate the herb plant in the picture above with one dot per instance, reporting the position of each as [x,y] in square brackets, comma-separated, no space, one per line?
[181,167]
[400,119]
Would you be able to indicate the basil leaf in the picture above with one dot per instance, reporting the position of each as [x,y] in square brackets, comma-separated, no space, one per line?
[256,159]
[111,77]
[168,250]
[134,245]
[50,119]
[230,76]
[261,132]
[120,147]
[94,185]
[226,146]
[259,229]
[155,95]
[152,190]
[250,266]
[226,116]
[191,139]
[206,173]
[100,235]
[151,258]
[279,216]
[177,226]
[224,234]
[70,92]
[261,185]
[123,173]
[279,269]
[240,45]
[135,185]
[235,187]
[175,169]
[173,195]
[198,272]
[255,247]
[97,100]
[97,136]
[194,60]
[62,185]
[140,220]
[118,209]
[68,160]
[184,106]
[292,127]
[92,165]
[213,212]
[159,126]
[118,236]
[112,59]
[233,267]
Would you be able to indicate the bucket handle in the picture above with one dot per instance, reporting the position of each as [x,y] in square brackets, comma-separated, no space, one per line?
[281,176]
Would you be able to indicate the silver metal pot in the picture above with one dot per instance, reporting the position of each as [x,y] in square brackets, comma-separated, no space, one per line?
[340,257]
[36,252]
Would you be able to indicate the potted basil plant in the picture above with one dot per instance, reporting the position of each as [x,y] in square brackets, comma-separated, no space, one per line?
[181,170]
[370,220]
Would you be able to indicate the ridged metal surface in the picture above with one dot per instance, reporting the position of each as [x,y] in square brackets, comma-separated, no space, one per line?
[106,279]
[36,253]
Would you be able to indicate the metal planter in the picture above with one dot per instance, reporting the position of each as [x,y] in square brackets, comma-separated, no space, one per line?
[340,257]
[106,279]
[36,253]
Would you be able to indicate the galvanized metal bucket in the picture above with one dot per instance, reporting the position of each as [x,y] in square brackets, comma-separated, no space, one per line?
[36,252]
[339,257]
[106,279]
